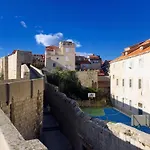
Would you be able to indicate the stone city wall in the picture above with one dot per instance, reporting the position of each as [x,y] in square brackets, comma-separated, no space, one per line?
[90,78]
[11,139]
[22,102]
[94,134]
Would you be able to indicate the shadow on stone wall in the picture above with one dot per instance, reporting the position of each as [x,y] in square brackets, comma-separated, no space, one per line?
[92,133]
[22,102]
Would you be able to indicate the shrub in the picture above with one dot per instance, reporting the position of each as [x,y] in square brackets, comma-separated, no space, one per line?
[68,83]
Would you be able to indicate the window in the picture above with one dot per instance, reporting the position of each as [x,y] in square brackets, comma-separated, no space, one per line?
[130,82]
[116,81]
[122,102]
[113,76]
[122,82]
[130,104]
[54,64]
[67,50]
[140,84]
[117,99]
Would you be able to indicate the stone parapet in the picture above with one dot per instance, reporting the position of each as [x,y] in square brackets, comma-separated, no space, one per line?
[92,133]
[11,139]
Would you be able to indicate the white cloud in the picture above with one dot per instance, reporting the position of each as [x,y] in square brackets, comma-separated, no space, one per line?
[83,54]
[52,39]
[75,42]
[1,17]
[40,31]
[48,39]
[23,24]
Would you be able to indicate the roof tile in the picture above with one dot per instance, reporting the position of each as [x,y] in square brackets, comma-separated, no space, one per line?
[134,51]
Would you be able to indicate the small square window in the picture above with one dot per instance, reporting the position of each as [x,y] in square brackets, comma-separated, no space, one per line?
[113,76]
[117,82]
[54,64]
[140,84]
[122,82]
[117,99]
[130,82]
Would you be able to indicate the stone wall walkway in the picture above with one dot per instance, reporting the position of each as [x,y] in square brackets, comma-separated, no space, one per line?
[51,136]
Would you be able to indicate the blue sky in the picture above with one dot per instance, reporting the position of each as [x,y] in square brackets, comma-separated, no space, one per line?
[103,27]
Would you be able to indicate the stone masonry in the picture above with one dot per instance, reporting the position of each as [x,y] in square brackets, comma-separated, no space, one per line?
[22,102]
[11,139]
[94,134]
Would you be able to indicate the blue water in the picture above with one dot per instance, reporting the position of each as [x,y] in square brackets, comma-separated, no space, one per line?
[114,115]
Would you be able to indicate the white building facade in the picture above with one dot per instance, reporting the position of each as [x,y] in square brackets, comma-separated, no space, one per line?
[130,80]
[62,56]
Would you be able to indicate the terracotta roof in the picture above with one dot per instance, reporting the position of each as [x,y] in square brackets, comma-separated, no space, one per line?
[135,50]
[93,57]
[51,48]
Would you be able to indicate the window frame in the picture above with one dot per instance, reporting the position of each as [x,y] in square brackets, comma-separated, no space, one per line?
[123,82]
[130,83]
[54,65]
[139,83]
[117,82]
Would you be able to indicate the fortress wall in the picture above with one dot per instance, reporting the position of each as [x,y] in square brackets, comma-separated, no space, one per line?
[22,102]
[94,134]
[11,139]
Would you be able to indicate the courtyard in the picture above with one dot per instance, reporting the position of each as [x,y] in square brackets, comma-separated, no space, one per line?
[113,115]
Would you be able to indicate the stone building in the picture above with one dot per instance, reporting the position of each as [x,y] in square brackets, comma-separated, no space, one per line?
[93,78]
[92,62]
[38,61]
[62,56]
[130,79]
[10,66]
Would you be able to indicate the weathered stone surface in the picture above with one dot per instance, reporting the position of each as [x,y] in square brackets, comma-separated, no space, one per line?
[81,129]
[11,139]
[22,102]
